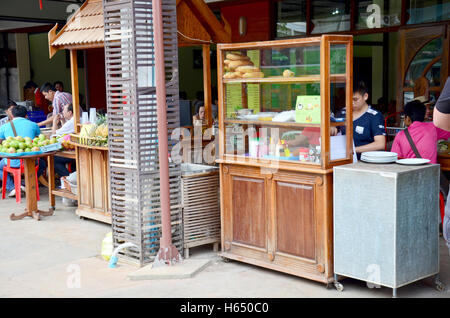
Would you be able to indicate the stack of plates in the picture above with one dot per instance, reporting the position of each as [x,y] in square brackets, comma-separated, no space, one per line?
[379,157]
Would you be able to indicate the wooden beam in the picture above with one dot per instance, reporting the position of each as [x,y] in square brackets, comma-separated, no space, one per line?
[51,37]
[207,83]
[75,89]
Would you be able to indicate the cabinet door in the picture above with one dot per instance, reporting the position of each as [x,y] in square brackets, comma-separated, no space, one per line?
[294,215]
[295,222]
[248,211]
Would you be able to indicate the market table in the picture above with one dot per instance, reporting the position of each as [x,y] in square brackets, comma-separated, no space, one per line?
[30,186]
[51,180]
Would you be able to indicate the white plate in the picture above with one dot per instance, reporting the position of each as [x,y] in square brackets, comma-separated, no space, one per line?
[378,161]
[379,154]
[413,161]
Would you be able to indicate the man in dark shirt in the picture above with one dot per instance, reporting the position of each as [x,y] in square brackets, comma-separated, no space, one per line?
[441,119]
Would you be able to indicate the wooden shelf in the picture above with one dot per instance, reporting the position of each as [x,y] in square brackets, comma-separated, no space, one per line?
[89,147]
[65,193]
[278,124]
[337,78]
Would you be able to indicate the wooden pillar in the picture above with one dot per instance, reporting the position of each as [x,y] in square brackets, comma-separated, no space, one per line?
[207,83]
[75,89]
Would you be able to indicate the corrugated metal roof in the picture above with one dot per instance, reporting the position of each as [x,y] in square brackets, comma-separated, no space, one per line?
[85,27]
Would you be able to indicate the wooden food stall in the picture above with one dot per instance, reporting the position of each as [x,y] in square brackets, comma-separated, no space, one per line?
[277,198]
[85,31]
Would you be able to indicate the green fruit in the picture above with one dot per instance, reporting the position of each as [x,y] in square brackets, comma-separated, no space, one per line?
[11,150]
[27,150]
[7,144]
[19,150]
[9,138]
[42,137]
[22,145]
[35,149]
[53,140]
[14,144]
[4,142]
[19,138]
[27,139]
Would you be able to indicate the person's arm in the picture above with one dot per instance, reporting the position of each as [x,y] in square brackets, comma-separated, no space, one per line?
[379,143]
[47,121]
[441,120]
[56,120]
[396,146]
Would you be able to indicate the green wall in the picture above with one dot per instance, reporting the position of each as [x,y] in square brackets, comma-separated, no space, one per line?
[190,78]
[44,69]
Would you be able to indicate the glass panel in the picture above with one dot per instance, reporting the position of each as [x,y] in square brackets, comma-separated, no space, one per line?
[338,141]
[270,142]
[338,57]
[330,16]
[378,14]
[272,103]
[421,11]
[407,97]
[291,18]
[430,51]
[434,74]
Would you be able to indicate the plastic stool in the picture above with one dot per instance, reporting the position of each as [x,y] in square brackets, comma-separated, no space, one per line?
[17,172]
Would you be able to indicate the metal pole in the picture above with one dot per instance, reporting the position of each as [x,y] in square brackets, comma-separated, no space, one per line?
[167,253]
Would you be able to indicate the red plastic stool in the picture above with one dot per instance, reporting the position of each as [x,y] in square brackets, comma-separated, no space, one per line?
[17,172]
[442,206]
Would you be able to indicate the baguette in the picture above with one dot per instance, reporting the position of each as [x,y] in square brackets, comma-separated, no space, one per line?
[237,57]
[247,69]
[253,75]
[230,75]
[234,64]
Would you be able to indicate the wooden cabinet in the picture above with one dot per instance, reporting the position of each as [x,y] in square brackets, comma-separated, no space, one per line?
[94,201]
[277,190]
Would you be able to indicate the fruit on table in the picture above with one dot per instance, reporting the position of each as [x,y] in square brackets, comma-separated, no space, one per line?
[21,144]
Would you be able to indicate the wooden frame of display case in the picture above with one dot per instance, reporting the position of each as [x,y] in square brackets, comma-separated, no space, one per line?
[279,214]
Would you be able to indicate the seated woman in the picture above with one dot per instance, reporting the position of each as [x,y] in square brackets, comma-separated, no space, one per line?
[199,114]
[424,134]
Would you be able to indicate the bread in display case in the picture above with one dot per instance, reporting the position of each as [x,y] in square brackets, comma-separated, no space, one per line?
[279,140]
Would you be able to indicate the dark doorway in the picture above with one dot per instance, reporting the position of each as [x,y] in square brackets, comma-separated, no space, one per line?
[362,71]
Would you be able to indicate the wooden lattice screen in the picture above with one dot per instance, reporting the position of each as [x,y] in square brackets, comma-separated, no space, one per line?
[132,118]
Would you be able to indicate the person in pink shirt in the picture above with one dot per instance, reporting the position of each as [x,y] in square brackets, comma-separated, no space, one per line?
[424,134]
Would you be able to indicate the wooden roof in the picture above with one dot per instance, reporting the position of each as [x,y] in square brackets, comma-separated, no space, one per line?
[83,30]
[197,25]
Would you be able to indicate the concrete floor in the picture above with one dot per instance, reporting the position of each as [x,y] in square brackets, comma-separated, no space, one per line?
[59,256]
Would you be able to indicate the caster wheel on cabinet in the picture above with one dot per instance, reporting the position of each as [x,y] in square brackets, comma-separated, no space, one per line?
[339,287]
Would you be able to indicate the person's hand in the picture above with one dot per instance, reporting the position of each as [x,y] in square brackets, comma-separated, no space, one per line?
[56,120]
[333,131]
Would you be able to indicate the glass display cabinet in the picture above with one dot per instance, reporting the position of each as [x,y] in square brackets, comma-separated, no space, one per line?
[282,129]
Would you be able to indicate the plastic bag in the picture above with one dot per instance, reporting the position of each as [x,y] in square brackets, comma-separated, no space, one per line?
[107,246]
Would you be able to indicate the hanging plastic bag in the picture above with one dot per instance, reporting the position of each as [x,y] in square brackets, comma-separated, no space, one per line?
[107,246]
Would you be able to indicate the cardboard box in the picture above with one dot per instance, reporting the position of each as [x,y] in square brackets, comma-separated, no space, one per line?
[307,109]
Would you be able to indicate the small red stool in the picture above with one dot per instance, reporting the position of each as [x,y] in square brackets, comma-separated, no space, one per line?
[17,172]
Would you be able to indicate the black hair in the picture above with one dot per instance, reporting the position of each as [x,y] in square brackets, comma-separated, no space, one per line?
[197,107]
[47,87]
[58,82]
[360,88]
[19,111]
[415,110]
[30,84]
[11,103]
[70,108]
